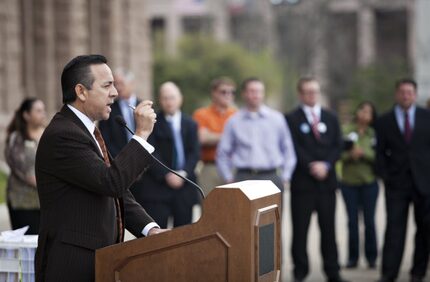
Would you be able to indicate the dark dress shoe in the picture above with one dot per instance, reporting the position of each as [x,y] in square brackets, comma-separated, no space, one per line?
[337,279]
[351,264]
[371,265]
[385,279]
[416,279]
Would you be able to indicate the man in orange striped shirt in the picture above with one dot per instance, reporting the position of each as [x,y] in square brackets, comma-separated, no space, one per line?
[211,121]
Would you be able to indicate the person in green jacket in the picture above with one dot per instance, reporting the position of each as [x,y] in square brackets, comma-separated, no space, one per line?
[358,182]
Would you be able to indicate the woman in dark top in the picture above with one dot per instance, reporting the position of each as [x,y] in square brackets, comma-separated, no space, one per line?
[359,186]
[23,134]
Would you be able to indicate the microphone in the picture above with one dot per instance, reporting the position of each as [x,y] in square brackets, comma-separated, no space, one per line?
[120,120]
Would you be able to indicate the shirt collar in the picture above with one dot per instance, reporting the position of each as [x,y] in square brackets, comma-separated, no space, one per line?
[262,112]
[175,118]
[130,101]
[316,109]
[221,113]
[411,110]
[85,119]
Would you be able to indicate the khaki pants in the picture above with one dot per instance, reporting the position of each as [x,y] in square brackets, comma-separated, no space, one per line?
[208,177]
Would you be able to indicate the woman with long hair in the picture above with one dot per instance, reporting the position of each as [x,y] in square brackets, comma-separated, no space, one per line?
[359,186]
[22,137]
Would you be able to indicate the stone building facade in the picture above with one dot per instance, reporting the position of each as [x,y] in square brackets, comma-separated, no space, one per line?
[331,39]
[175,18]
[38,37]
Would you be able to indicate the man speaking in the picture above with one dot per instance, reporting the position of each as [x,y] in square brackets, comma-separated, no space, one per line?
[85,203]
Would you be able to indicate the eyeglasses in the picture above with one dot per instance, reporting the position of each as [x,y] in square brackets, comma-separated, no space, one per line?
[227,92]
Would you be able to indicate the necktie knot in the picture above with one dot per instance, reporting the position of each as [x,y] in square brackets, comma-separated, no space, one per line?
[315,118]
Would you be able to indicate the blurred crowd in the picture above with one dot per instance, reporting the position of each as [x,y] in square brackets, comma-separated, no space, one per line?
[306,151]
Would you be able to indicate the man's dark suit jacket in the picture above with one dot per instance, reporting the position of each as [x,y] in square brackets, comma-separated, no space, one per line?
[77,192]
[309,149]
[156,188]
[396,159]
[114,134]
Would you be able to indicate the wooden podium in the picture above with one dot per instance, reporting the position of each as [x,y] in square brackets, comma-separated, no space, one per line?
[237,238]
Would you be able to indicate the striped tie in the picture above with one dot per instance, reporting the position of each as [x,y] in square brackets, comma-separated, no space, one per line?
[102,145]
[315,122]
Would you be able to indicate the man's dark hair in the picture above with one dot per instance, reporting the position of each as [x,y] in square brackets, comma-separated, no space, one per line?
[78,71]
[406,81]
[247,81]
[303,80]
[217,82]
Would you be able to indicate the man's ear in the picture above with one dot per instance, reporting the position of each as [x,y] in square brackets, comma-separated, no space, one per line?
[81,92]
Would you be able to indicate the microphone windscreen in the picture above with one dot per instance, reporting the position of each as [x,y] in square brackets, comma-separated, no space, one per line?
[119,119]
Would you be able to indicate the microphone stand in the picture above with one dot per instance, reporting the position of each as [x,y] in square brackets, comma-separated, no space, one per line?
[121,121]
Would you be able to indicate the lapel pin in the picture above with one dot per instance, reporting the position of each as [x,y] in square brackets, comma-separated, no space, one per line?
[304,128]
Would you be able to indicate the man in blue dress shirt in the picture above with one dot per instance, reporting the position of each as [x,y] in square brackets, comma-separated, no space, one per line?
[256,143]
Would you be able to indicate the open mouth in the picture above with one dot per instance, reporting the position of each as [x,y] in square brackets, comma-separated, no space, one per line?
[109,106]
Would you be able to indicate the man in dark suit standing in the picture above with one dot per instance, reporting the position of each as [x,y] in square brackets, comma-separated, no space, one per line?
[403,158]
[175,137]
[317,141]
[84,199]
[114,134]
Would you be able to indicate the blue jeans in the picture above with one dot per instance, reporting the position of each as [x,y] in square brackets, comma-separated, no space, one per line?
[361,197]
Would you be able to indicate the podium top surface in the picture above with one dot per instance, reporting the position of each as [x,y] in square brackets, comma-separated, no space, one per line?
[253,189]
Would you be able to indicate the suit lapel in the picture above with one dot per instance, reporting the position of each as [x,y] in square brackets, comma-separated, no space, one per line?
[304,119]
[303,116]
[183,129]
[418,119]
[396,128]
[164,126]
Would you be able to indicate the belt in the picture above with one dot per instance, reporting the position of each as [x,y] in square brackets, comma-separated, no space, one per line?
[257,171]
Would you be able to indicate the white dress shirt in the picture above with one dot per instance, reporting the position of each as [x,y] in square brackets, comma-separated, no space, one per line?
[127,112]
[310,111]
[91,126]
[175,119]
[400,117]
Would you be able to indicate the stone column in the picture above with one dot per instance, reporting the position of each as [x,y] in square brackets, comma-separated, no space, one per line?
[79,27]
[422,49]
[11,86]
[11,92]
[221,19]
[319,58]
[95,7]
[116,32]
[2,57]
[40,65]
[28,46]
[139,55]
[366,36]
[174,31]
